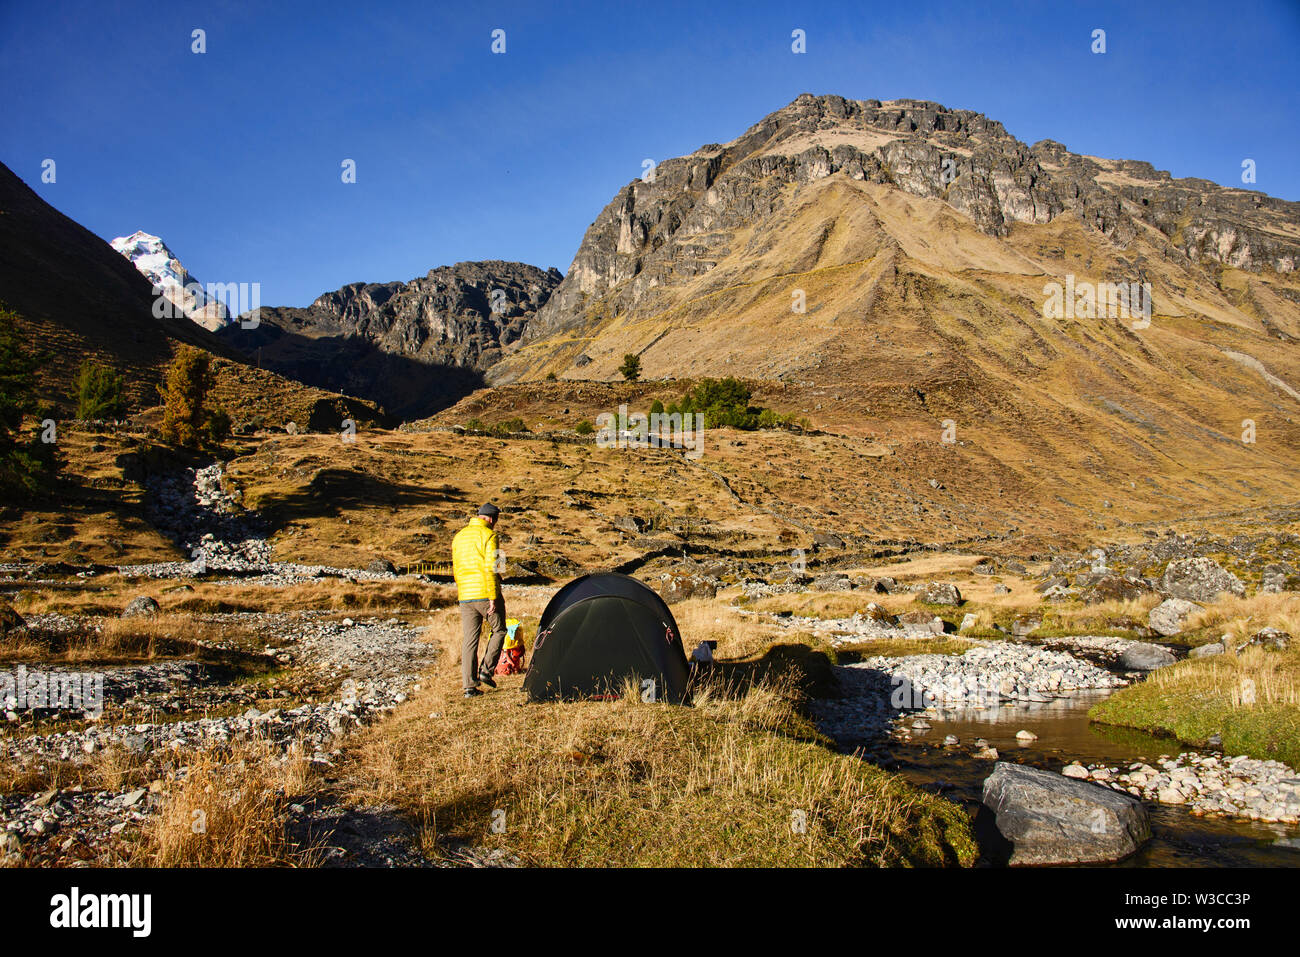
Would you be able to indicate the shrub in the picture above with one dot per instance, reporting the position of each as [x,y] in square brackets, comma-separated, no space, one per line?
[725,402]
[99,392]
[584,427]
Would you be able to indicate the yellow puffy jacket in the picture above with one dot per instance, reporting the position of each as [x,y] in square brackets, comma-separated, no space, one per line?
[473,562]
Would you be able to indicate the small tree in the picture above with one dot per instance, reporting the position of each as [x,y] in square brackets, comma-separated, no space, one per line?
[24,461]
[631,367]
[99,392]
[188,419]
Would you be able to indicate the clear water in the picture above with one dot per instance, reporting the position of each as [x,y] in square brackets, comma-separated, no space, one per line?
[1065,734]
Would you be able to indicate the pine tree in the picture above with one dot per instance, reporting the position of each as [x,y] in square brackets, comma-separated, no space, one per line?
[25,462]
[188,419]
[99,392]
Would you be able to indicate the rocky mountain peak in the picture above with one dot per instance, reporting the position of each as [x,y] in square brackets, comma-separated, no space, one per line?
[677,223]
[149,254]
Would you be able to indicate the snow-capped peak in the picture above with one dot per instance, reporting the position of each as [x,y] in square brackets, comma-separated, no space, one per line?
[160,266]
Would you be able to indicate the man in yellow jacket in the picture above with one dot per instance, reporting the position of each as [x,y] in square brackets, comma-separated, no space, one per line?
[473,562]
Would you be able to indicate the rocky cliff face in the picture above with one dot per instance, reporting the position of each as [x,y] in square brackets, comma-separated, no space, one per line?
[664,232]
[407,345]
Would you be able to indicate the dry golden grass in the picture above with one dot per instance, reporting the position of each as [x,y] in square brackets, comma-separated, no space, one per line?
[736,780]
[110,594]
[108,769]
[1242,617]
[624,783]
[230,810]
[903,647]
[117,640]
[1251,699]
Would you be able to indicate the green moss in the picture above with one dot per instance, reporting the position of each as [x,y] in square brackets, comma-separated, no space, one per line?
[1265,731]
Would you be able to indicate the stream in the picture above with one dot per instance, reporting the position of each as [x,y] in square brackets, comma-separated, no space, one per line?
[1178,839]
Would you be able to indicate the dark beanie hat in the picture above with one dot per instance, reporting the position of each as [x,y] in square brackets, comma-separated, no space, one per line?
[489,510]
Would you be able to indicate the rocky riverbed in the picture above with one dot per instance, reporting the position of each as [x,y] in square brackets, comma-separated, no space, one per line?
[371,665]
[1207,784]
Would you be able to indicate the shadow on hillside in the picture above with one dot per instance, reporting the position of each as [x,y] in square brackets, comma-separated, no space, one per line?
[404,386]
[333,490]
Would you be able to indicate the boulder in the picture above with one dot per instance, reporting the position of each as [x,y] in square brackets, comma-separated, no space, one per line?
[836,581]
[1115,588]
[1143,656]
[1199,579]
[918,620]
[827,540]
[1270,639]
[630,524]
[1055,583]
[10,620]
[1001,589]
[878,614]
[1053,819]
[1207,651]
[382,566]
[968,621]
[1278,578]
[1025,624]
[1169,617]
[884,586]
[141,607]
[940,593]
[678,585]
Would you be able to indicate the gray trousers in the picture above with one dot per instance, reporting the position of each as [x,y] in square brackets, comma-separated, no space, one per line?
[472,614]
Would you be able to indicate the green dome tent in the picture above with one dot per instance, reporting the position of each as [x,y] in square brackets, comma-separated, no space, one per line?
[599,631]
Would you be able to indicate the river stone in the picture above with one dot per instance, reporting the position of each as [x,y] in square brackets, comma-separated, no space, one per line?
[140,607]
[1051,819]
[1168,617]
[1144,656]
[940,593]
[1199,579]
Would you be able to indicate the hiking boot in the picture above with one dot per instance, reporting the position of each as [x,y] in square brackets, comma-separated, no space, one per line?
[472,692]
[487,680]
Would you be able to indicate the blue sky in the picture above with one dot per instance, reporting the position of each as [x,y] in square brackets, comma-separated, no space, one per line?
[233,156]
